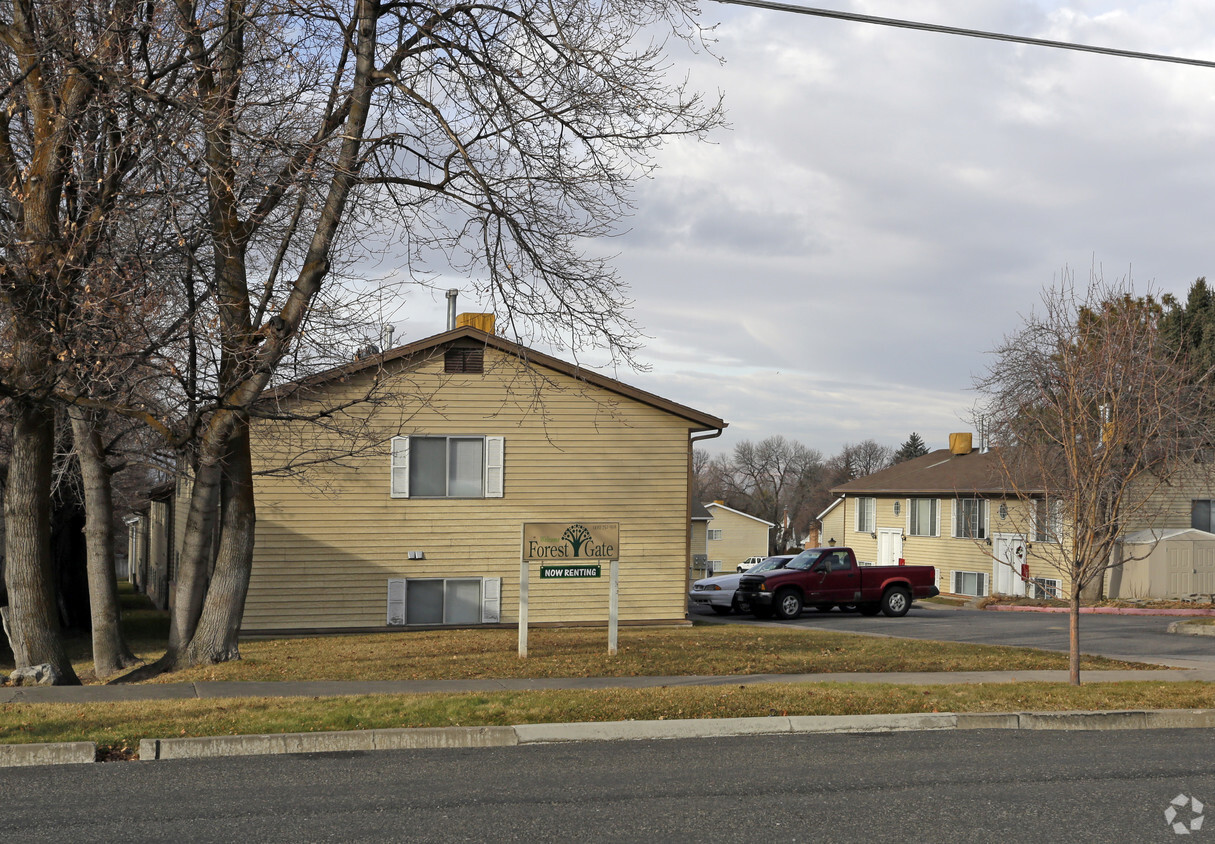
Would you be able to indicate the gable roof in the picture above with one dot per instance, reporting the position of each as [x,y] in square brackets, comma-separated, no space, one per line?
[699,420]
[939,472]
[739,512]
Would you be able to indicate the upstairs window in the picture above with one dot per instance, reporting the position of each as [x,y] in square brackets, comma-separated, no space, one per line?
[1200,514]
[923,517]
[447,467]
[970,518]
[865,515]
[1047,520]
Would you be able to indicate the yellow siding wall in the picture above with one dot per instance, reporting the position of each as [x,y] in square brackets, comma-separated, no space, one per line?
[329,540]
[741,537]
[946,552]
[833,527]
[699,530]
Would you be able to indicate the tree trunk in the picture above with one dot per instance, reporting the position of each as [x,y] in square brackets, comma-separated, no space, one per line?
[192,564]
[1073,637]
[110,651]
[215,638]
[32,621]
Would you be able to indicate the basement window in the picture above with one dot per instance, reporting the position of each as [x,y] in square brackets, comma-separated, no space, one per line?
[970,583]
[444,601]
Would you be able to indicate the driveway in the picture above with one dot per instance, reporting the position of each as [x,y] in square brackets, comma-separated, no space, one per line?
[1133,638]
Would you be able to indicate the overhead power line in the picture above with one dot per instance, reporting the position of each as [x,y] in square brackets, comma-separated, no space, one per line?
[969,33]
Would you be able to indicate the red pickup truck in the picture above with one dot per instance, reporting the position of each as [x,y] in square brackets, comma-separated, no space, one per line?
[826,577]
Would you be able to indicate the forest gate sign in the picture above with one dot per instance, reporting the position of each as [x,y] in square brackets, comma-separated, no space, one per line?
[558,542]
[570,543]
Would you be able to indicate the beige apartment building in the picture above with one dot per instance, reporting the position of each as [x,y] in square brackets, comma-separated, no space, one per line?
[732,537]
[406,508]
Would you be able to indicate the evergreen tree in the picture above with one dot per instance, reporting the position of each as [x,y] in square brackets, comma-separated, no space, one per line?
[914,447]
[1190,328]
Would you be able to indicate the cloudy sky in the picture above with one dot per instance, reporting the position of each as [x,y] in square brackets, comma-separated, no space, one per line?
[889,204]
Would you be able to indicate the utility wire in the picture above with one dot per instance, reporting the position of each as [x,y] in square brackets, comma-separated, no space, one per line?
[969,33]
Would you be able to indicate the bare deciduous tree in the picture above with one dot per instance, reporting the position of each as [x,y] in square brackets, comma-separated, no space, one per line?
[1093,415]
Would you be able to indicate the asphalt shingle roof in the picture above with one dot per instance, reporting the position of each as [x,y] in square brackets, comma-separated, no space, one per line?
[938,473]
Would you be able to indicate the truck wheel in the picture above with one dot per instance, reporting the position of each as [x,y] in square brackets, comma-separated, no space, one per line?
[869,609]
[896,602]
[788,604]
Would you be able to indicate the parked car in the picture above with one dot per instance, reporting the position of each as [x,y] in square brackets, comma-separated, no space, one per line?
[718,593]
[825,577]
[750,563]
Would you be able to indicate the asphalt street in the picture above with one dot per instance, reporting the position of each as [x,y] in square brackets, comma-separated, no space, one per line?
[975,786]
[1130,637]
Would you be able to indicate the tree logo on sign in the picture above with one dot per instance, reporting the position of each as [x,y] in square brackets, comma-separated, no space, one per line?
[577,536]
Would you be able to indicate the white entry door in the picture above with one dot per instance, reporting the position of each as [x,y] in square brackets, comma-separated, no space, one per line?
[890,546]
[1009,552]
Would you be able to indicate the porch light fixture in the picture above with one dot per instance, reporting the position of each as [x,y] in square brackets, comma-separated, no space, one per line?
[874,534]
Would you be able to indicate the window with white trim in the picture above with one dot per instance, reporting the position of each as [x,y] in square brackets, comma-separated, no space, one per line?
[866,508]
[437,600]
[970,583]
[1042,588]
[1048,521]
[714,533]
[923,517]
[970,516]
[426,466]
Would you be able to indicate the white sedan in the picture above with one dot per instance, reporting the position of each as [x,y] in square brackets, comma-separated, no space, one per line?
[717,593]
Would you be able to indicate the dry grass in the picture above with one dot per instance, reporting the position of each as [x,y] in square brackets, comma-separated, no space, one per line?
[582,652]
[117,727]
[701,650]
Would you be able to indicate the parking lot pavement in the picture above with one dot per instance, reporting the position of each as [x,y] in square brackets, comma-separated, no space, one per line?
[1132,638]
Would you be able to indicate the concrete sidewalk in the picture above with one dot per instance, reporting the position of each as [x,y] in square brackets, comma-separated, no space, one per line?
[333,688]
[400,739]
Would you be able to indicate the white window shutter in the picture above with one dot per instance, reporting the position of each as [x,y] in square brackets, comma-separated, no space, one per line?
[399,471]
[937,532]
[907,517]
[495,461]
[396,601]
[491,600]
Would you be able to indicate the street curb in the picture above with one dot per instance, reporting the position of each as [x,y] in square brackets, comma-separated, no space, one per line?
[1101,610]
[60,753]
[421,738]
[1187,628]
[428,738]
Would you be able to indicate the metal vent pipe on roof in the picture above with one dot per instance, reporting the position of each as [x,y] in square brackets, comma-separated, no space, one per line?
[451,308]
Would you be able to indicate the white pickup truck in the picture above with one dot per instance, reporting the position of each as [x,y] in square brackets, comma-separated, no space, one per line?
[749,563]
